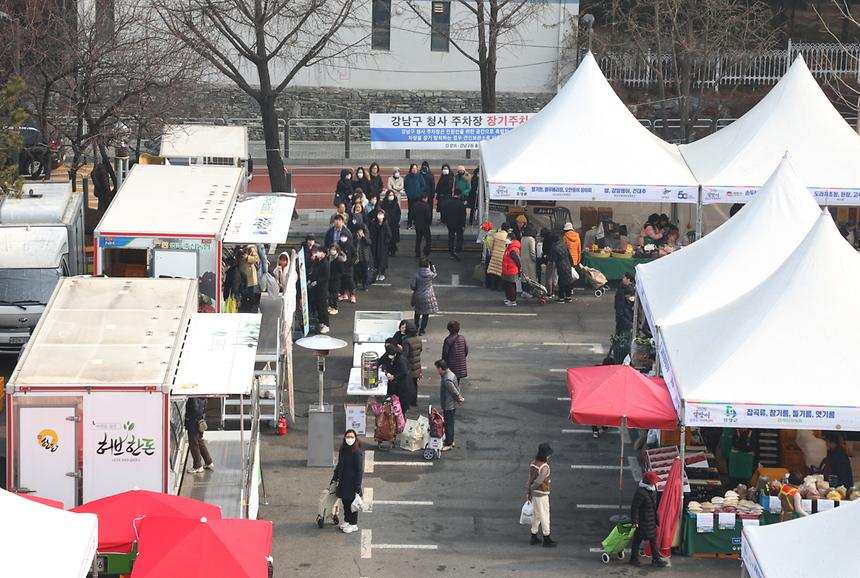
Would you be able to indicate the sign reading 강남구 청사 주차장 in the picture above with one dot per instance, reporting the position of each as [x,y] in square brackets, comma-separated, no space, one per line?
[439,131]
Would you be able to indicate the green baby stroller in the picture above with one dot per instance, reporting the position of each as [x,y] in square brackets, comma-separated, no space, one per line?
[618,539]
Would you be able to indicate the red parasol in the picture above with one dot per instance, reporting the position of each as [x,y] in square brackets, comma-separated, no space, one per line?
[668,511]
[203,548]
[604,394]
[44,501]
[118,514]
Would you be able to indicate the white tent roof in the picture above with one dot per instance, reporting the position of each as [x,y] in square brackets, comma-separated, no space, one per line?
[790,342]
[198,140]
[40,540]
[736,257]
[218,355]
[767,551]
[586,145]
[795,116]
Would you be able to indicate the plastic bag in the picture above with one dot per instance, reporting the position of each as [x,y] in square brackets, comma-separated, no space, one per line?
[357,504]
[527,513]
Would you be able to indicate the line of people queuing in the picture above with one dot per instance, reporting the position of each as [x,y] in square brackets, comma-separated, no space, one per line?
[364,231]
[513,254]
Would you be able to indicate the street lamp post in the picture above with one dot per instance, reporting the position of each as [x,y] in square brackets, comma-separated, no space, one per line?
[321,414]
[588,20]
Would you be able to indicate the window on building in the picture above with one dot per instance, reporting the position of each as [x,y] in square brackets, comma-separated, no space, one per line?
[380,37]
[440,21]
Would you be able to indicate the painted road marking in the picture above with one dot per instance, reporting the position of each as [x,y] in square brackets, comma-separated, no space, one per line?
[366,543]
[635,468]
[557,370]
[482,313]
[455,279]
[423,396]
[598,507]
[594,347]
[596,467]
[563,398]
[368,461]
[367,500]
[588,431]
[416,464]
[403,503]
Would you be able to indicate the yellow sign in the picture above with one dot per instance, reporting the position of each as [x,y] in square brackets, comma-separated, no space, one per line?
[49,439]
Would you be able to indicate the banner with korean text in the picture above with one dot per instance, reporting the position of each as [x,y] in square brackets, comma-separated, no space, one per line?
[593,192]
[833,197]
[439,131]
[767,416]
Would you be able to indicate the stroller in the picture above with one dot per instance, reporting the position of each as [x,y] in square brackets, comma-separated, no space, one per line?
[596,279]
[535,289]
[618,539]
[437,435]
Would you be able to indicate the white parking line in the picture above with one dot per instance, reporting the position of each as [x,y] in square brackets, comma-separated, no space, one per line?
[594,347]
[563,398]
[483,313]
[635,469]
[423,396]
[597,506]
[557,370]
[367,500]
[368,461]
[416,464]
[403,503]
[596,467]
[366,543]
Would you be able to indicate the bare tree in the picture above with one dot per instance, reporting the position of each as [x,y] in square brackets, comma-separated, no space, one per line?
[11,117]
[847,92]
[493,23]
[679,39]
[260,46]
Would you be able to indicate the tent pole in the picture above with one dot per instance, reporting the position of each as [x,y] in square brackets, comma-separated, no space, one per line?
[699,215]
[635,330]
[683,452]
[242,497]
[621,429]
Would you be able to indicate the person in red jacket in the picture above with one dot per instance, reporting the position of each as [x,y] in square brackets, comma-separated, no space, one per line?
[511,266]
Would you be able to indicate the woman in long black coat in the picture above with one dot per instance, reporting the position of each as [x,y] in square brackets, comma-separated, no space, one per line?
[391,205]
[348,474]
[643,516]
[380,241]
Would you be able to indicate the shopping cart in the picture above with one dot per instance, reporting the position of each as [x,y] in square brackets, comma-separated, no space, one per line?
[596,279]
[618,539]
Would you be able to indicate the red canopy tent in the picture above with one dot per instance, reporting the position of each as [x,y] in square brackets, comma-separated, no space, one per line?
[203,548]
[618,395]
[118,514]
[607,394]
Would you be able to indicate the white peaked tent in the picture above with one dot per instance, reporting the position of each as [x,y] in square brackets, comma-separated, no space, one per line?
[38,540]
[584,146]
[782,355]
[767,551]
[795,116]
[736,257]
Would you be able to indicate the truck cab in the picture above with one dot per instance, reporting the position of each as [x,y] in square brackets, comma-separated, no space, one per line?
[41,241]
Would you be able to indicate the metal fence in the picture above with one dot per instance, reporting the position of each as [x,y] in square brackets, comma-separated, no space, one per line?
[759,67]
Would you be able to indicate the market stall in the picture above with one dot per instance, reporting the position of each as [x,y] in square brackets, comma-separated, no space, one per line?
[39,540]
[169,221]
[796,116]
[767,552]
[613,267]
[738,256]
[96,401]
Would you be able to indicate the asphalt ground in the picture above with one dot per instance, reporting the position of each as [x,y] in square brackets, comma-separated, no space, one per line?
[459,516]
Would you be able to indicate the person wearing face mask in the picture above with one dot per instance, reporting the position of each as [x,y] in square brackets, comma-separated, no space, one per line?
[450,399]
[537,492]
[395,183]
[318,286]
[344,187]
[347,280]
[348,474]
[444,190]
[281,271]
[463,183]
[337,265]
[394,364]
[429,181]
[415,185]
[357,219]
[364,257]
[337,229]
[391,206]
[380,240]
[374,190]
[360,181]
[472,199]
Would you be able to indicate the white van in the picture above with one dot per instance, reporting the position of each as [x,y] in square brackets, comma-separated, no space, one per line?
[41,240]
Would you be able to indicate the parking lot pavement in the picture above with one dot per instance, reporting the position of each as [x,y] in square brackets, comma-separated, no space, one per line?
[460,515]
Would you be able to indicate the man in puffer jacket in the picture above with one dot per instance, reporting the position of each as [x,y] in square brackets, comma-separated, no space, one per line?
[412,348]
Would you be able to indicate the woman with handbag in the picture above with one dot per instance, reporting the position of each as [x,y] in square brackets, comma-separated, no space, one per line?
[347,474]
[195,423]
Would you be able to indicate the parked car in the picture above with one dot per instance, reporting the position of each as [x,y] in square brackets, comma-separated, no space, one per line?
[36,156]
